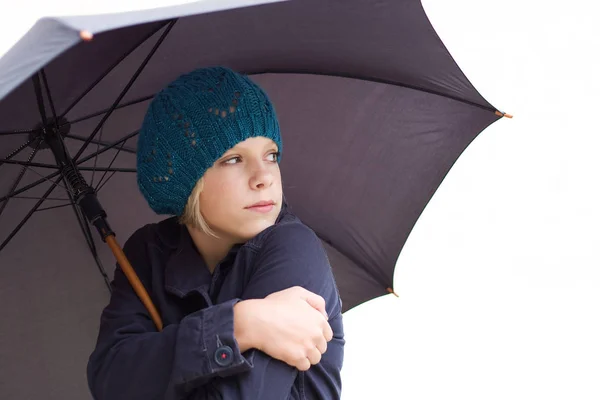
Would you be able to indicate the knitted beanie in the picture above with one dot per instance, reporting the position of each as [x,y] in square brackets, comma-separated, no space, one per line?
[190,124]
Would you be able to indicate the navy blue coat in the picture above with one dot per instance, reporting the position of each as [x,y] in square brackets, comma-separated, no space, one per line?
[196,355]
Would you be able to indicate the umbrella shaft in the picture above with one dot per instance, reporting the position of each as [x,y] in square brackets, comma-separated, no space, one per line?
[83,194]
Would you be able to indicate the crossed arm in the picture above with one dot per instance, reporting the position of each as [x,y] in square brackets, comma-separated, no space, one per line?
[133,361]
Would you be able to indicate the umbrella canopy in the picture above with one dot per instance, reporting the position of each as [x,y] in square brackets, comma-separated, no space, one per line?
[374,112]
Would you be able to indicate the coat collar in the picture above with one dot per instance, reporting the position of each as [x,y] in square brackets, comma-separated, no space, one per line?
[185,269]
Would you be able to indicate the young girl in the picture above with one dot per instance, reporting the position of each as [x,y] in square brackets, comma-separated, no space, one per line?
[245,291]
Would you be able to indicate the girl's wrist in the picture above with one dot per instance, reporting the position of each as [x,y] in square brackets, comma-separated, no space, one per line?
[245,324]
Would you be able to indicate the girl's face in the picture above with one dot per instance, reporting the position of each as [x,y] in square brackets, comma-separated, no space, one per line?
[242,191]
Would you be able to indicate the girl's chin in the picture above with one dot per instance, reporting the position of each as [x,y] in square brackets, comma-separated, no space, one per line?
[248,231]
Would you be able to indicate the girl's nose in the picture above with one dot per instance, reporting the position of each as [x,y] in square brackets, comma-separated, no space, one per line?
[262,178]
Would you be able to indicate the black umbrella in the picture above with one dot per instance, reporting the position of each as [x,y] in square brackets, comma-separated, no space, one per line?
[373,108]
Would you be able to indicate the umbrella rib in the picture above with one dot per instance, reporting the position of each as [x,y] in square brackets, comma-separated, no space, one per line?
[9,133]
[105,169]
[126,104]
[26,164]
[113,66]
[16,151]
[100,142]
[53,207]
[31,185]
[37,87]
[45,80]
[78,212]
[37,198]
[96,159]
[110,165]
[20,177]
[371,79]
[85,228]
[93,85]
[109,147]
[126,89]
[359,265]
[47,177]
[101,184]
[29,165]
[31,212]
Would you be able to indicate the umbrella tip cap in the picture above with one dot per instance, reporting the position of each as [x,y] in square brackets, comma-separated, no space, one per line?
[390,290]
[503,114]
[86,35]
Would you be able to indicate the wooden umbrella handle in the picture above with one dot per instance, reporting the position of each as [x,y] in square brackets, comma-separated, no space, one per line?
[134,280]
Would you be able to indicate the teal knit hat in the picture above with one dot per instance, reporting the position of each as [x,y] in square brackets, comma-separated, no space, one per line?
[190,124]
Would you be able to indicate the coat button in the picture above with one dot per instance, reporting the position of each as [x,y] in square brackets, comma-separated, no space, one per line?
[224,356]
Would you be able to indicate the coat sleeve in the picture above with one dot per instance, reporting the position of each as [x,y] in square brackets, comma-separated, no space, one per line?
[291,256]
[132,360]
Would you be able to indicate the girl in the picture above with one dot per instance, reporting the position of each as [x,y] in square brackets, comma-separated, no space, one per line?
[246,293]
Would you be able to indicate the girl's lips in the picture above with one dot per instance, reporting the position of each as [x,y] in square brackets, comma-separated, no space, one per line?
[262,209]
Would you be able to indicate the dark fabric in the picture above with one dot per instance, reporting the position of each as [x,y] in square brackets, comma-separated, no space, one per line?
[47,38]
[51,36]
[196,355]
[362,160]
[390,41]
[374,112]
[372,118]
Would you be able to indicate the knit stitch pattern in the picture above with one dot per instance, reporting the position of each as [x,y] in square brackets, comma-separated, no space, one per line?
[190,124]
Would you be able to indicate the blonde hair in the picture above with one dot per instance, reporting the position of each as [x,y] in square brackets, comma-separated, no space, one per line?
[192,215]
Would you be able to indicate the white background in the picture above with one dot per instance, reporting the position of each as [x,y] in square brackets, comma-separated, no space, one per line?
[499,281]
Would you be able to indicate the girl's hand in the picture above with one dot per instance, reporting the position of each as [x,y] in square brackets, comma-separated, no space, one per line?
[289,325]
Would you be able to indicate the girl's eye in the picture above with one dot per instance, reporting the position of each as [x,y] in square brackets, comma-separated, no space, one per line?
[232,160]
[274,156]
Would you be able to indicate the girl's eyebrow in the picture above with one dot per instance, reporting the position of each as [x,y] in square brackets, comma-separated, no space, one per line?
[244,148]
[239,148]
[271,145]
